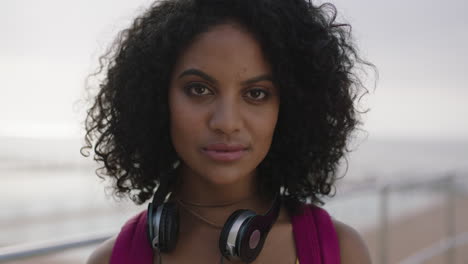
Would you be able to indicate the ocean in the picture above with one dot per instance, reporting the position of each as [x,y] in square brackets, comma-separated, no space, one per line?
[51,192]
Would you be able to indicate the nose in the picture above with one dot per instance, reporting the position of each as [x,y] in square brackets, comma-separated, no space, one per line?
[226,117]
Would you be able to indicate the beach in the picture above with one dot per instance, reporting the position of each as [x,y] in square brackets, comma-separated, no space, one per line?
[413,233]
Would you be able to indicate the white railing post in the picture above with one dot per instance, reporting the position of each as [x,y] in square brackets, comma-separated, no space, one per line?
[450,215]
[383,223]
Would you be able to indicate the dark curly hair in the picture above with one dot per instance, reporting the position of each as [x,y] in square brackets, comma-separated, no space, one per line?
[313,62]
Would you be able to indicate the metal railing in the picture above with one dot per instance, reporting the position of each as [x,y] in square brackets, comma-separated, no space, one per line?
[48,247]
[447,245]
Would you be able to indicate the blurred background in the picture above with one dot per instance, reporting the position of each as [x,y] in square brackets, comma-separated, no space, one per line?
[406,183]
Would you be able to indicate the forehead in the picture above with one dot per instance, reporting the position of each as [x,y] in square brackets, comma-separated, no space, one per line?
[225,48]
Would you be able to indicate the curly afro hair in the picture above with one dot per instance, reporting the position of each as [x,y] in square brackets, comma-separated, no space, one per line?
[313,60]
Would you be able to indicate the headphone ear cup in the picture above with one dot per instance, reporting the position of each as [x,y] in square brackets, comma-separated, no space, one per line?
[239,215]
[169,227]
[252,236]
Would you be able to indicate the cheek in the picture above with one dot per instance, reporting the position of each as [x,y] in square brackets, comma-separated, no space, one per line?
[186,126]
[181,125]
[264,126]
[178,121]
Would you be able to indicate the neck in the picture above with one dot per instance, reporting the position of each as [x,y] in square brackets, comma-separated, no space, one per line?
[217,202]
[197,189]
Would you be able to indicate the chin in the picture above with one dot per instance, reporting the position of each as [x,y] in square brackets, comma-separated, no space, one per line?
[226,176]
[222,175]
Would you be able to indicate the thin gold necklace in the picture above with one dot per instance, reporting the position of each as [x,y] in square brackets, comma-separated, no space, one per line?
[186,205]
[215,205]
[199,216]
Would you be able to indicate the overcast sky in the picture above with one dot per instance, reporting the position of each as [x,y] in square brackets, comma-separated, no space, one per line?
[48,47]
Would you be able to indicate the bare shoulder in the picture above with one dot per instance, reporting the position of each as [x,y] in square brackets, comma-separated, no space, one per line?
[102,254]
[353,249]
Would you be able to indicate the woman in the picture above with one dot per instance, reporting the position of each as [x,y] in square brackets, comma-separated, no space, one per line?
[221,105]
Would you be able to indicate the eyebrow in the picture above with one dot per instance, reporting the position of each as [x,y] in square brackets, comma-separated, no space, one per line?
[263,77]
[198,73]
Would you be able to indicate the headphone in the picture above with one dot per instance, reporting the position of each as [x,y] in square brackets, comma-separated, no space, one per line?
[242,236]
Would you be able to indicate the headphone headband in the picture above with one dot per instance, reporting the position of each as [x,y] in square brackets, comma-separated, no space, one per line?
[242,236]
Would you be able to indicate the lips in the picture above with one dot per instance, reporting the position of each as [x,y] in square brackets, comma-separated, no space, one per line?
[225,152]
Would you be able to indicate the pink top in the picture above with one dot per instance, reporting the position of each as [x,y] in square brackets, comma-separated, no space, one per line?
[314,234]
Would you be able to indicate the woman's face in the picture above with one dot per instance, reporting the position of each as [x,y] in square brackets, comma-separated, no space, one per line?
[223,106]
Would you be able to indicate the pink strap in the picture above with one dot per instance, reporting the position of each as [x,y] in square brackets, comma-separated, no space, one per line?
[314,234]
[132,244]
[315,237]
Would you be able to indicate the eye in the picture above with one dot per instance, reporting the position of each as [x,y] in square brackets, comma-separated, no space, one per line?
[197,89]
[257,94]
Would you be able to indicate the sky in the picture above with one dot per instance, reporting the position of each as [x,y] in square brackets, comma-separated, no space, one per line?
[48,48]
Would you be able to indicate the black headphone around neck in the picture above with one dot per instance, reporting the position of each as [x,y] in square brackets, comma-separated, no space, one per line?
[242,236]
